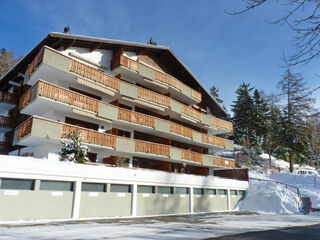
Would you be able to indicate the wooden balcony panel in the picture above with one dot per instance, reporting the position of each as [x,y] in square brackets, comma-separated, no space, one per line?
[9,98]
[66,96]
[213,140]
[191,156]
[6,122]
[4,148]
[222,123]
[196,95]
[135,117]
[129,63]
[180,130]
[25,128]
[36,61]
[94,74]
[153,97]
[191,112]
[165,78]
[222,162]
[152,148]
[90,136]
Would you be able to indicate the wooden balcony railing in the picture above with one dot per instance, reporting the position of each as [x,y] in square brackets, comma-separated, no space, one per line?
[36,61]
[152,148]
[121,60]
[191,156]
[94,74]
[4,148]
[25,128]
[213,140]
[166,78]
[90,136]
[223,162]
[181,130]
[135,117]
[6,122]
[222,123]
[191,112]
[9,98]
[153,97]
[66,96]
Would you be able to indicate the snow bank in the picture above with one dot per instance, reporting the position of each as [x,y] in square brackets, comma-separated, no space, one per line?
[268,197]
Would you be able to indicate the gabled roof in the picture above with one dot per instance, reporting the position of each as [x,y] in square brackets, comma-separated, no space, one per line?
[57,40]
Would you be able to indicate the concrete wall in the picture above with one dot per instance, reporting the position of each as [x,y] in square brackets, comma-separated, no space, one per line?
[210,203]
[105,204]
[157,204]
[234,199]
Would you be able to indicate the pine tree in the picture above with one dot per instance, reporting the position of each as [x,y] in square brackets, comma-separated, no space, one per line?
[215,93]
[260,113]
[242,115]
[7,60]
[73,149]
[297,106]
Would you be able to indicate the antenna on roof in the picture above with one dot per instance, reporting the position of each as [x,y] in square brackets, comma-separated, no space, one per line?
[152,42]
[66,29]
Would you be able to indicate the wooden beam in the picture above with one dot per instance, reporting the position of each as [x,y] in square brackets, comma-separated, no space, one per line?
[56,43]
[69,44]
[95,47]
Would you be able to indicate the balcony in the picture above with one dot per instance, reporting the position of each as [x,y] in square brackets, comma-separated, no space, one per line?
[5,123]
[45,96]
[8,100]
[38,130]
[154,79]
[55,65]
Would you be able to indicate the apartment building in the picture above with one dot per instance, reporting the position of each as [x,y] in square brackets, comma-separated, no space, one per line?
[137,106]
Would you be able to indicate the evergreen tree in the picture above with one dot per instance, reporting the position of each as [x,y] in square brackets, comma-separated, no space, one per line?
[297,106]
[7,60]
[73,149]
[242,115]
[215,93]
[260,113]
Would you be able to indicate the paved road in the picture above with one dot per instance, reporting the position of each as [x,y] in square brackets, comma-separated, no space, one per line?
[293,233]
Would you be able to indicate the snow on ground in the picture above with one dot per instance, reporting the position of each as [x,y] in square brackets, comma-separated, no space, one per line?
[180,227]
[269,197]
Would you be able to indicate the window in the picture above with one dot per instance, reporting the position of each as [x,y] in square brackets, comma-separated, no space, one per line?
[166,190]
[242,192]
[210,191]
[233,192]
[18,184]
[222,192]
[198,191]
[56,185]
[120,188]
[93,187]
[146,189]
[182,190]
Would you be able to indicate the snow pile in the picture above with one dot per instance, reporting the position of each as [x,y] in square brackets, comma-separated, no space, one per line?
[308,185]
[269,197]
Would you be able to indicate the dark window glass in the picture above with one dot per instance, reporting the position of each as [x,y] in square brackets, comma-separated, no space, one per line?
[56,185]
[167,190]
[210,191]
[241,192]
[19,184]
[145,189]
[120,188]
[93,187]
[182,190]
[222,192]
[233,192]
[198,191]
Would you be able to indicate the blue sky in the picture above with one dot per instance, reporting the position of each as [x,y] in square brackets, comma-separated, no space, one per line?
[220,49]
